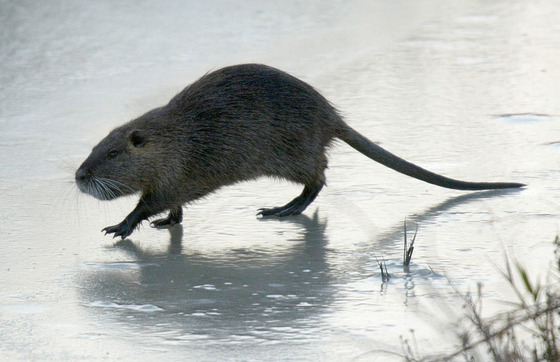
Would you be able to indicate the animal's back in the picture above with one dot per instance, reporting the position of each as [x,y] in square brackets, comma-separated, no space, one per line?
[247,121]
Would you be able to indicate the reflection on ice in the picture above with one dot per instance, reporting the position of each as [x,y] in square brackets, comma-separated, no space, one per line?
[524,118]
[148,308]
[276,289]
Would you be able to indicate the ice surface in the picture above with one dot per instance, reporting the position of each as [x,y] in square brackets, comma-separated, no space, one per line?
[468,89]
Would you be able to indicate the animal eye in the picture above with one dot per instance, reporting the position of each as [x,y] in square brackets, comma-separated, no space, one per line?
[137,139]
[112,154]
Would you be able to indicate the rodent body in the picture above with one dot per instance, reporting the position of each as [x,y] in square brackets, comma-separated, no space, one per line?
[235,124]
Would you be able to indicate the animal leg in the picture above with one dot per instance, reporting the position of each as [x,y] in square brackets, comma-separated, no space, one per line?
[175,217]
[297,205]
[127,226]
[146,207]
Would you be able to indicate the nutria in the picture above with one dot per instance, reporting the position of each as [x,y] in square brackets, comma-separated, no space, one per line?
[234,124]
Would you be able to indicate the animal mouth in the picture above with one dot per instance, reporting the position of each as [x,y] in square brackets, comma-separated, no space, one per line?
[99,187]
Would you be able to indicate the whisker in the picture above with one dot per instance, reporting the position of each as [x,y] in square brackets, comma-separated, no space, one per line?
[108,184]
[99,192]
[103,188]
[92,189]
[119,185]
[111,186]
[64,164]
[110,192]
[63,196]
[107,193]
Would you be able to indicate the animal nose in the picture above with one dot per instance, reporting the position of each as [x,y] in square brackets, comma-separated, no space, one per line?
[81,175]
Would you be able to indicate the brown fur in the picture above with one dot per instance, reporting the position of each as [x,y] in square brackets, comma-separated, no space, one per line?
[238,123]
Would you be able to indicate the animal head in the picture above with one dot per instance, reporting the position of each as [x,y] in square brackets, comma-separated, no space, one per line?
[117,165]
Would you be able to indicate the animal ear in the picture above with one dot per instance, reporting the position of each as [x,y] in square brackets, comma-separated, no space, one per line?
[137,138]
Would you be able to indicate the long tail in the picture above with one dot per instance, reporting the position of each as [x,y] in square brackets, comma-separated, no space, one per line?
[390,160]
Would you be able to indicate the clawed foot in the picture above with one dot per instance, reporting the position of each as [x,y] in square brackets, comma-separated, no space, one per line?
[294,207]
[297,205]
[163,223]
[174,217]
[281,211]
[123,230]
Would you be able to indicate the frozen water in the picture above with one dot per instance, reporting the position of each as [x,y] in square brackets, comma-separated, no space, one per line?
[467,89]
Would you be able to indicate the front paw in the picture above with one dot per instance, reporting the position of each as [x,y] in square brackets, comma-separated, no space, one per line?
[123,230]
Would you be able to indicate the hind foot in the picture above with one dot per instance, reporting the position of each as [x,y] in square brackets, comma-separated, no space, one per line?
[282,211]
[175,217]
[297,205]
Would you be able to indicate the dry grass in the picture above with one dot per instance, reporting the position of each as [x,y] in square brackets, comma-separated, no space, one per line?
[503,337]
